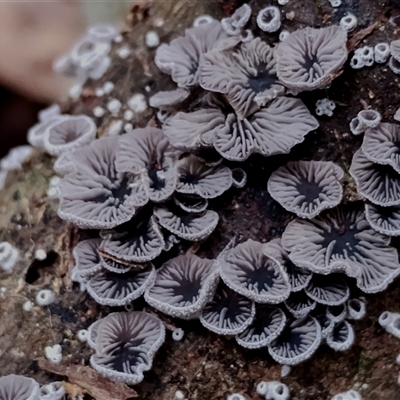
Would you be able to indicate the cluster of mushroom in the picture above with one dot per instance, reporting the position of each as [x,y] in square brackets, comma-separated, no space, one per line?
[243,108]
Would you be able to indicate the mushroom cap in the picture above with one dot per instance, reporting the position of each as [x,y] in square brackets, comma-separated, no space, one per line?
[298,278]
[195,177]
[248,271]
[188,226]
[299,304]
[330,290]
[190,203]
[239,178]
[237,21]
[395,49]
[169,99]
[307,187]
[341,240]
[116,289]
[228,313]
[381,145]
[36,133]
[183,286]
[298,342]
[18,387]
[337,313]
[308,58]
[137,241]
[68,134]
[87,259]
[380,184]
[95,195]
[49,112]
[64,164]
[246,77]
[356,309]
[341,337]
[126,344]
[267,325]
[147,151]
[181,58]
[385,220]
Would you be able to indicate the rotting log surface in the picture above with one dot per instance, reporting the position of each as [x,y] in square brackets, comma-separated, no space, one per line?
[202,365]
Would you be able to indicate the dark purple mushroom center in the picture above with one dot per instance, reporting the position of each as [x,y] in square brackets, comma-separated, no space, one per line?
[290,339]
[120,190]
[340,333]
[309,60]
[229,303]
[187,290]
[262,81]
[309,190]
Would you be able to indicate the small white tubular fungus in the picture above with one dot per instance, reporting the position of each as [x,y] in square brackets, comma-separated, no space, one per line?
[99,70]
[349,395]
[52,391]
[285,370]
[246,36]
[202,20]
[357,61]
[277,391]
[283,35]
[283,2]
[99,92]
[98,111]
[356,126]
[128,115]
[367,55]
[348,22]
[236,396]
[269,19]
[45,297]
[53,353]
[335,3]
[179,395]
[390,322]
[83,335]
[75,91]
[152,39]
[356,309]
[178,334]
[137,103]
[381,52]
[369,118]
[325,107]
[40,254]
[394,65]
[124,52]
[15,158]
[27,306]
[115,127]
[114,105]
[118,39]
[9,256]
[262,388]
[108,87]
[102,32]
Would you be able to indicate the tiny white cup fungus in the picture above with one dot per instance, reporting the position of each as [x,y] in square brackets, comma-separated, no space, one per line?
[137,103]
[114,105]
[269,19]
[45,297]
[8,256]
[179,395]
[128,115]
[283,35]
[27,306]
[178,334]
[75,91]
[348,22]
[98,111]
[202,20]
[83,335]
[325,107]
[108,87]
[40,254]
[53,353]
[381,52]
[152,39]
[236,396]
[262,388]
[115,127]
[124,52]
[335,3]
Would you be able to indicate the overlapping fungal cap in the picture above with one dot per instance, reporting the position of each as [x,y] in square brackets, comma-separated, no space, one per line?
[137,241]
[228,313]
[267,325]
[307,187]
[341,337]
[183,286]
[126,344]
[116,289]
[234,24]
[95,195]
[13,387]
[69,133]
[341,240]
[308,58]
[337,313]
[190,203]
[36,133]
[381,145]
[195,177]
[330,290]
[239,178]
[117,267]
[299,304]
[181,58]
[298,342]
[380,184]
[250,272]
[298,278]
[188,226]
[247,77]
[269,19]
[385,220]
[146,151]
[87,258]
[169,99]
[356,309]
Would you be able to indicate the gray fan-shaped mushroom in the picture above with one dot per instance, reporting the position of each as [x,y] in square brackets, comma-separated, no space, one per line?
[116,289]
[183,286]
[298,342]
[18,387]
[137,241]
[380,184]
[146,151]
[169,99]
[228,313]
[87,258]
[274,129]
[341,337]
[126,344]
[94,195]
[385,220]
[299,278]
[236,22]
[299,304]
[68,134]
[381,145]
[309,58]
[247,77]
[36,133]
[341,240]
[181,58]
[248,271]
[266,327]
[188,226]
[190,203]
[195,177]
[307,187]
[330,290]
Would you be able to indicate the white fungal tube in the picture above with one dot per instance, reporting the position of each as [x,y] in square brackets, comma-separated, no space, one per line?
[83,335]
[178,334]
[390,322]
[8,256]
[381,52]
[236,396]
[349,22]
[269,19]
[45,297]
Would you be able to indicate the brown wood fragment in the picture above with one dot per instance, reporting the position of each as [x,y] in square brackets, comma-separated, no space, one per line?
[91,382]
[360,35]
